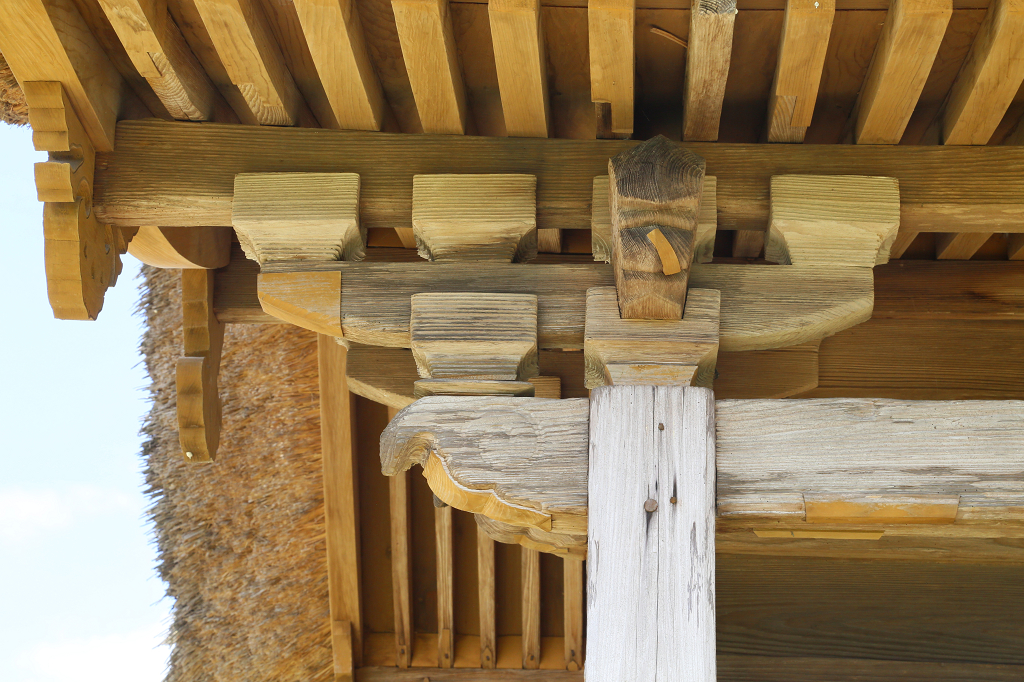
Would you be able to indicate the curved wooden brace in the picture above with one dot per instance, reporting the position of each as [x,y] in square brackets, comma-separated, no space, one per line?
[522,461]
[311,300]
[562,544]
[182,247]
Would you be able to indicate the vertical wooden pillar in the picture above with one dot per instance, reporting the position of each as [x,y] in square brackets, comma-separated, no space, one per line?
[572,585]
[530,578]
[445,587]
[401,569]
[341,508]
[651,535]
[485,582]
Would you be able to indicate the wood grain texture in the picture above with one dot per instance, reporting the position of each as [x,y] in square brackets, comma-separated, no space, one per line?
[475,217]
[252,58]
[962,246]
[970,448]
[762,307]
[182,247]
[425,387]
[401,566]
[709,52]
[341,503]
[334,34]
[611,24]
[475,336]
[198,402]
[445,587]
[530,583]
[832,220]
[566,545]
[432,62]
[934,290]
[775,373]
[297,299]
[573,601]
[903,58]
[805,34]
[653,186]
[81,255]
[298,216]
[707,221]
[472,464]
[50,41]
[521,66]
[485,585]
[168,174]
[1016,247]
[989,77]
[651,534]
[612,343]
[158,51]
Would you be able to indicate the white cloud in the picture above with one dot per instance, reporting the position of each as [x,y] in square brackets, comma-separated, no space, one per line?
[136,656]
[26,514]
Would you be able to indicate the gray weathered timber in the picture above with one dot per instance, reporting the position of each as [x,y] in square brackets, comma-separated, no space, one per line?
[169,174]
[651,535]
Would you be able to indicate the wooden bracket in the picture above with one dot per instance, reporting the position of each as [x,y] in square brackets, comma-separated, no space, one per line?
[298,216]
[198,401]
[653,352]
[82,255]
[184,248]
[475,217]
[655,189]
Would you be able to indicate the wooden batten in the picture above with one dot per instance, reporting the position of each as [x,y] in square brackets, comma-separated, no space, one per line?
[708,55]
[530,584]
[401,562]
[253,61]
[611,24]
[989,78]
[485,585]
[198,401]
[445,586]
[519,57]
[805,34]
[298,216]
[900,66]
[475,217]
[431,59]
[158,50]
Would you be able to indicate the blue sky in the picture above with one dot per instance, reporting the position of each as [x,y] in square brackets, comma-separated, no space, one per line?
[79,594]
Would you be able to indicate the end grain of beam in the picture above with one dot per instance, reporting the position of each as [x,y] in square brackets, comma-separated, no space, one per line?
[805,35]
[707,67]
[522,67]
[989,78]
[903,58]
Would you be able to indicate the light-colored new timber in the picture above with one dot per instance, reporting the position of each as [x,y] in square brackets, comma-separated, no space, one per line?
[762,307]
[472,464]
[253,61]
[198,402]
[989,78]
[432,62]
[301,299]
[401,562]
[805,33]
[708,54]
[518,38]
[167,173]
[81,255]
[832,220]
[298,216]
[159,51]
[903,58]
[530,582]
[445,586]
[654,197]
[773,454]
[475,336]
[334,35]
[48,40]
[475,217]
[620,351]
[182,247]
[707,221]
[425,387]
[959,246]
[341,506]
[572,605]
[651,534]
[485,585]
[611,24]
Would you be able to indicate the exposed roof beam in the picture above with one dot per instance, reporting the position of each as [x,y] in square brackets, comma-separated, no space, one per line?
[611,25]
[708,54]
[522,67]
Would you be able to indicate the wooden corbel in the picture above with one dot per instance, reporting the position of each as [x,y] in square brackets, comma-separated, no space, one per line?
[82,255]
[182,248]
[519,461]
[199,409]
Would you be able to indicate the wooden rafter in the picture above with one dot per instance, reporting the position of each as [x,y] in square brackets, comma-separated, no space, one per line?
[709,53]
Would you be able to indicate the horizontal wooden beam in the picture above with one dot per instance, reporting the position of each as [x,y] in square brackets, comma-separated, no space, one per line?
[166,173]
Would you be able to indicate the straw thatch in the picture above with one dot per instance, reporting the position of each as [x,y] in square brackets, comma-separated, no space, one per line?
[240,541]
[13,109]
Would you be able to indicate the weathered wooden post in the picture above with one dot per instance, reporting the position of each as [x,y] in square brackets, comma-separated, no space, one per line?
[651,486]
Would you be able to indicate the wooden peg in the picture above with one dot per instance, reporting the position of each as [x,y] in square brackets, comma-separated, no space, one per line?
[654,186]
[198,401]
